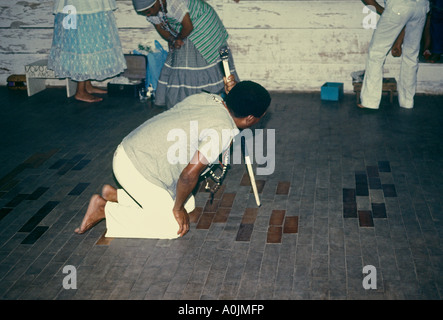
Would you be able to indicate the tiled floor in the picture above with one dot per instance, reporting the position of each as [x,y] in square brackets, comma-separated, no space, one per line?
[351,188]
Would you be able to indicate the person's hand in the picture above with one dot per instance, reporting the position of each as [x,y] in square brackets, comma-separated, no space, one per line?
[396,50]
[229,83]
[182,218]
[178,43]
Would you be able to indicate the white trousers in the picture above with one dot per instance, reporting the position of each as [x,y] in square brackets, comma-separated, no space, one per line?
[142,210]
[397,14]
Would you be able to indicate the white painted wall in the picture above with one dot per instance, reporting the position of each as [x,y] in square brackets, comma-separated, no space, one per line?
[284,45]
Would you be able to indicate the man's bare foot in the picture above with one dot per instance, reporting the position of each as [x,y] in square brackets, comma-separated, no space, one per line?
[94,214]
[86,97]
[109,193]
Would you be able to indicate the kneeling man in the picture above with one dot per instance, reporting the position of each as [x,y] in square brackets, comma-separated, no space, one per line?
[156,189]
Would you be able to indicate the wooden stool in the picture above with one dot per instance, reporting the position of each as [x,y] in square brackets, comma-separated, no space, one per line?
[389,84]
[36,75]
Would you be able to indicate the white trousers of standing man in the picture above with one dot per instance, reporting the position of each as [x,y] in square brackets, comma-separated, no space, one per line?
[397,14]
[142,210]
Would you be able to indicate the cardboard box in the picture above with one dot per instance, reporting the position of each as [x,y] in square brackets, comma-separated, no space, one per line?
[332,91]
[132,79]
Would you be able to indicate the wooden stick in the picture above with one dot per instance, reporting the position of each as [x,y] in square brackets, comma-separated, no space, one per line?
[224,54]
[251,176]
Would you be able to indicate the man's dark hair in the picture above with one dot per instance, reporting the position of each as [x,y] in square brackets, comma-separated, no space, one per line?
[248,98]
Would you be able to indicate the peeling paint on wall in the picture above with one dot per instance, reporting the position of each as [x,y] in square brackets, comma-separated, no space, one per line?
[285,45]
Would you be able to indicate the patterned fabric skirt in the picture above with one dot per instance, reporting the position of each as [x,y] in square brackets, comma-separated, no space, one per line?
[89,50]
[186,72]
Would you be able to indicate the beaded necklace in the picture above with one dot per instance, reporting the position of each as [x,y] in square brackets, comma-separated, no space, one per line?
[218,179]
[164,21]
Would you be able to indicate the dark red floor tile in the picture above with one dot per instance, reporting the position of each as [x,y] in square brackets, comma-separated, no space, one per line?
[283,187]
[277,217]
[227,200]
[194,216]
[222,214]
[291,224]
[211,206]
[245,181]
[274,234]
[205,220]
[249,215]
[260,185]
[365,218]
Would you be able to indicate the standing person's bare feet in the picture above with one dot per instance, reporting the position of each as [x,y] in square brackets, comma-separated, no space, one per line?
[91,89]
[85,90]
[86,97]
[94,214]
[109,193]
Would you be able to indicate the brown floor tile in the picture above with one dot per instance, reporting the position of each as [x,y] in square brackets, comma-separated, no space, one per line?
[283,187]
[249,215]
[365,218]
[227,200]
[274,234]
[205,220]
[290,224]
[194,216]
[260,185]
[277,217]
[245,181]
[211,207]
[222,215]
